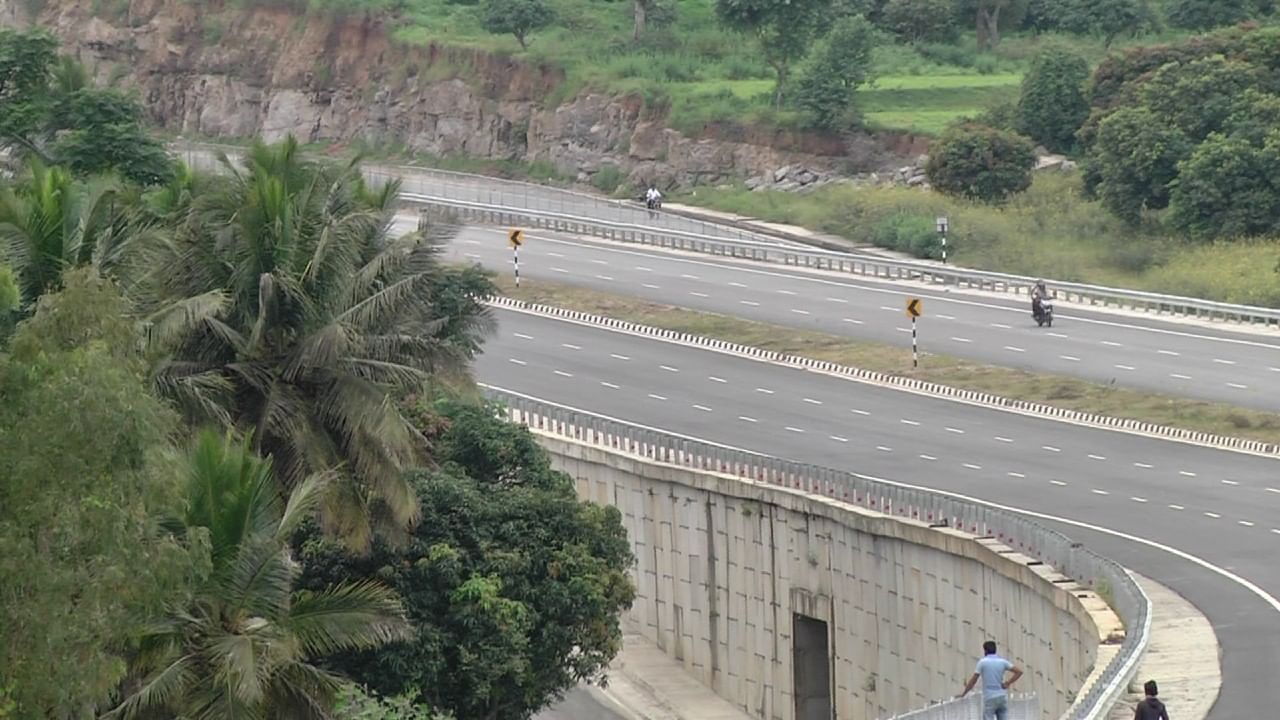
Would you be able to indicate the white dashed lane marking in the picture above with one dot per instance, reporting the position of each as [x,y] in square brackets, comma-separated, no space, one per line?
[811,401]
[1186,473]
[1220,361]
[957,431]
[890,309]
[1245,523]
[859,412]
[642,268]
[559,270]
[1058,335]
[1070,358]
[749,303]
[690,277]
[668,368]
[882,448]
[1100,492]
[604,277]
[522,336]
[698,294]
[560,255]
[1177,507]
[851,320]
[1097,457]
[652,286]
[1230,482]
[600,262]
[960,339]
[472,255]
[908,422]
[837,300]
[1015,474]
[799,312]
[1142,465]
[656,397]
[1002,326]
[837,438]
[562,373]
[1213,515]
[1050,448]
[794,429]
[1011,348]
[1125,367]
[703,408]
[1138,499]
[713,378]
[609,385]
[1179,376]
[971,466]
[1059,483]
[945,317]
[737,285]
[785,292]
[744,418]
[928,457]
[616,356]
[766,391]
[1238,386]
[570,346]
[1003,439]
[517,362]
[1168,352]
[1109,343]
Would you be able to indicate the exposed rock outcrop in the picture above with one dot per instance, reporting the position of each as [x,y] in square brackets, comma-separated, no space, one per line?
[216,69]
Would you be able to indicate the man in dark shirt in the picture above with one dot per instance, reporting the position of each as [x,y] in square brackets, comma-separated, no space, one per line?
[1150,707]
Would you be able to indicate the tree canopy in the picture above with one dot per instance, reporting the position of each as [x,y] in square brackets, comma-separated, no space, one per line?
[981,163]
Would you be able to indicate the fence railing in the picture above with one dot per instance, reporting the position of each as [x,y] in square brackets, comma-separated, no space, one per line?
[498,192]
[1021,707]
[858,264]
[481,199]
[1016,531]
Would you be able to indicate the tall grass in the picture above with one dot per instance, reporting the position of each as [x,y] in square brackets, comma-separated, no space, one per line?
[1049,231]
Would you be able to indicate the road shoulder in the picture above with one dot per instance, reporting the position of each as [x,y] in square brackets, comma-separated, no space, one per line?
[1183,657]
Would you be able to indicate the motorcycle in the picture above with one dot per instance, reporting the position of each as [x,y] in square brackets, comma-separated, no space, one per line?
[1043,313]
[653,204]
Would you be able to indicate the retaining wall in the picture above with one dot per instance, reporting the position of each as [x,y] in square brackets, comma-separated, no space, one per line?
[723,563]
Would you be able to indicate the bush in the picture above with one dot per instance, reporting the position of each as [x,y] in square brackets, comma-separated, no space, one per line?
[1052,106]
[981,163]
[608,178]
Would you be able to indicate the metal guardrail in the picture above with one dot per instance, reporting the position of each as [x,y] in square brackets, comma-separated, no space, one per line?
[1021,707]
[513,202]
[1070,558]
[861,265]
[498,192]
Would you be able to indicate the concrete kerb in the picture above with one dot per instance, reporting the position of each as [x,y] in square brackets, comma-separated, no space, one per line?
[898,382]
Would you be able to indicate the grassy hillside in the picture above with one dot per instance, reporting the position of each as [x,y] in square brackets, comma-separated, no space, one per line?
[709,74]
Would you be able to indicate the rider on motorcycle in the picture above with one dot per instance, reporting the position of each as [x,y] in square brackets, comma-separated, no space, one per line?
[652,198]
[1038,295]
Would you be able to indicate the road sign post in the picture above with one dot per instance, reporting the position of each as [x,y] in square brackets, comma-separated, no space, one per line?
[915,309]
[516,239]
[943,226]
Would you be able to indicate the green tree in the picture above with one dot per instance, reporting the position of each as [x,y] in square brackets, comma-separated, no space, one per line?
[84,448]
[841,63]
[1207,14]
[517,17]
[1105,18]
[10,299]
[515,586]
[284,307]
[1255,116]
[1198,96]
[981,163]
[1135,157]
[243,644]
[50,222]
[784,30]
[919,20]
[1052,106]
[1227,188]
[50,112]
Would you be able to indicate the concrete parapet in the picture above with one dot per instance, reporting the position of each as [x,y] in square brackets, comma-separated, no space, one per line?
[725,566]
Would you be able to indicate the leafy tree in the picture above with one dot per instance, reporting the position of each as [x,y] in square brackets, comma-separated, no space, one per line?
[49,111]
[85,474]
[10,298]
[1198,96]
[243,644]
[1106,18]
[514,585]
[1227,188]
[919,20]
[981,163]
[650,13]
[841,63]
[287,310]
[1255,115]
[783,28]
[50,222]
[991,17]
[1207,14]
[518,17]
[1135,157]
[1052,105]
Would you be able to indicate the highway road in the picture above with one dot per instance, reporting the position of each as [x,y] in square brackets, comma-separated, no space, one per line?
[1220,506]
[1181,359]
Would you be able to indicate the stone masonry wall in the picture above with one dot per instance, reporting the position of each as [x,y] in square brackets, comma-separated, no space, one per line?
[723,563]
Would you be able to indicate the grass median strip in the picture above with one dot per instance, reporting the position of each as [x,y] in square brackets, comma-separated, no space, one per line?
[1064,392]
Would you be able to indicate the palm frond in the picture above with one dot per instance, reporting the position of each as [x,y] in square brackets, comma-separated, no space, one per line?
[356,616]
[304,501]
[166,326]
[158,691]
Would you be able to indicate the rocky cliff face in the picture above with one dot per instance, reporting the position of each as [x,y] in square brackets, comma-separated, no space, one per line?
[208,69]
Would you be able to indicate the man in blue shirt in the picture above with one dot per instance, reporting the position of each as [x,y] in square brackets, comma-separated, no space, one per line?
[995,690]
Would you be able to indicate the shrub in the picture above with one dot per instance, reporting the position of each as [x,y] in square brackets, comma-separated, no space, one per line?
[1052,106]
[981,163]
[608,178]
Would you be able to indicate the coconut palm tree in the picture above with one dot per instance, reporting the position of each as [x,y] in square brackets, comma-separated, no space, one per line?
[286,308]
[50,222]
[241,645]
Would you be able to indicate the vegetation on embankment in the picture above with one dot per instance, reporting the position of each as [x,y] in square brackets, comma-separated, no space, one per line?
[1050,231]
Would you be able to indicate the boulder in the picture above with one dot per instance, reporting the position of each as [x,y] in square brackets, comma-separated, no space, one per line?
[781,173]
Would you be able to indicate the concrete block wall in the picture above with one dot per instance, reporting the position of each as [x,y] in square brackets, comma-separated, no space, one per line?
[723,563]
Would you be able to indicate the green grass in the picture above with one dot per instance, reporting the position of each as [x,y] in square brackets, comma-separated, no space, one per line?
[1050,231]
[705,74]
[1057,391]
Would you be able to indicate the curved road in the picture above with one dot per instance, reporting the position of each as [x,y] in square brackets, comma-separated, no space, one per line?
[1221,506]
[1174,358]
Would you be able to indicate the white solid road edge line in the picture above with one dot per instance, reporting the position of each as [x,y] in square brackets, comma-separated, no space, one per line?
[897,382]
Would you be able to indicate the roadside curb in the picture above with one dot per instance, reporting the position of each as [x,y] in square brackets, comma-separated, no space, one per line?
[898,382]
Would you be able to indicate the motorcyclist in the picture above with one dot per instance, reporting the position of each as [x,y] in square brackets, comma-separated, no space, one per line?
[1038,295]
[652,198]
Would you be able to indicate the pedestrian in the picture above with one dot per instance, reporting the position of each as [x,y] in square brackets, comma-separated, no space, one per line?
[995,689]
[1150,707]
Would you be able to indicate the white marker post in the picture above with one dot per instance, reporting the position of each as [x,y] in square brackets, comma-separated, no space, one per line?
[914,310]
[942,230]
[516,238]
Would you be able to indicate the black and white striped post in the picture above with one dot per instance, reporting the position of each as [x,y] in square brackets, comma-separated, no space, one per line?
[516,238]
[942,230]
[914,309]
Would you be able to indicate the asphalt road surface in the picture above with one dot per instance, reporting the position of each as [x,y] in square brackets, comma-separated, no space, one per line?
[1206,363]
[578,704]
[1220,506]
